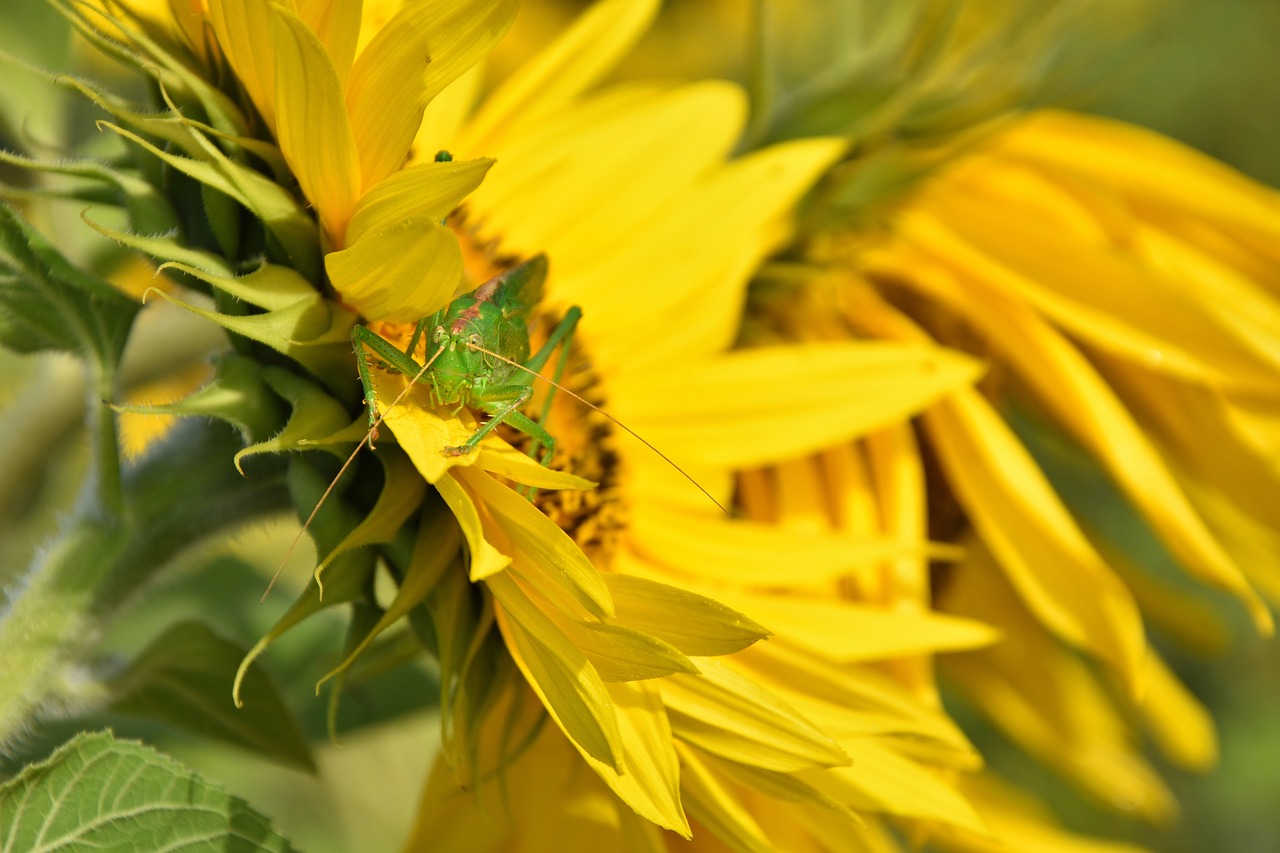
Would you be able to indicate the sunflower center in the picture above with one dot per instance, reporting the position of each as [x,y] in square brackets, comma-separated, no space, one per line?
[585,445]
[585,439]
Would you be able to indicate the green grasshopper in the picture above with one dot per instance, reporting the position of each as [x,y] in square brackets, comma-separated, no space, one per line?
[481,359]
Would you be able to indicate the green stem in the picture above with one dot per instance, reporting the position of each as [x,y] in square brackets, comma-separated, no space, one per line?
[185,493]
[50,612]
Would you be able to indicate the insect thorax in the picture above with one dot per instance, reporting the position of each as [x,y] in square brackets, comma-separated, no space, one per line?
[466,329]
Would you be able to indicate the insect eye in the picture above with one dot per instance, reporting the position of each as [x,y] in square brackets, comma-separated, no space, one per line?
[473,341]
[439,335]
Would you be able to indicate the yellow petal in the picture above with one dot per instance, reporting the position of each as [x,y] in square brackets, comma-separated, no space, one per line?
[694,624]
[505,461]
[847,701]
[716,806]
[336,24]
[563,570]
[411,59]
[623,654]
[559,673]
[710,410]
[849,632]
[1071,388]
[880,780]
[1020,823]
[1047,699]
[744,209]
[428,190]
[486,560]
[609,156]
[420,431]
[648,776]
[402,272]
[1142,162]
[1102,296]
[583,54]
[1177,721]
[312,126]
[445,115]
[244,31]
[1033,536]
[744,553]
[729,715]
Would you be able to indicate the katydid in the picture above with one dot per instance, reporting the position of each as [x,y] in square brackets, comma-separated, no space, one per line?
[481,361]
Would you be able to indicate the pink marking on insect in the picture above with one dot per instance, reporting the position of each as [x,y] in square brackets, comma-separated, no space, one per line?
[483,293]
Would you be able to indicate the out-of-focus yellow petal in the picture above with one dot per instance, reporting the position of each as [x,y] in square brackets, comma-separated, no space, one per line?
[713,803]
[402,272]
[850,632]
[608,155]
[559,673]
[1179,723]
[336,24]
[1139,161]
[1019,823]
[1078,397]
[729,715]
[312,126]
[1105,298]
[1255,545]
[411,59]
[445,115]
[712,412]
[743,553]
[583,54]
[1044,697]
[744,208]
[244,31]
[1038,544]
[880,780]
[829,693]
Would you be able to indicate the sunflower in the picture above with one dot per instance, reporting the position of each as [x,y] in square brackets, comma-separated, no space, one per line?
[584,177]
[1121,289]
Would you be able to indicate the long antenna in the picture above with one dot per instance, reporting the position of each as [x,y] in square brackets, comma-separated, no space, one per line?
[345,465]
[585,402]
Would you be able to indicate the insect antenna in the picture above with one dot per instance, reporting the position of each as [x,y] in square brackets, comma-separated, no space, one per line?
[293,546]
[588,403]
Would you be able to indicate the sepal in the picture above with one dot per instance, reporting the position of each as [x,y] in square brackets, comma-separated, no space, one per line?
[238,395]
[47,304]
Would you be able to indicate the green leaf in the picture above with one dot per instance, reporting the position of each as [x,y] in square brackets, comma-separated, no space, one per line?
[349,577]
[312,331]
[182,679]
[435,550]
[149,211]
[317,421]
[237,394]
[47,304]
[98,793]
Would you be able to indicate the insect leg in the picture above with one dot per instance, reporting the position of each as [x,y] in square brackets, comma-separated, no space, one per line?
[502,404]
[364,340]
[561,335]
